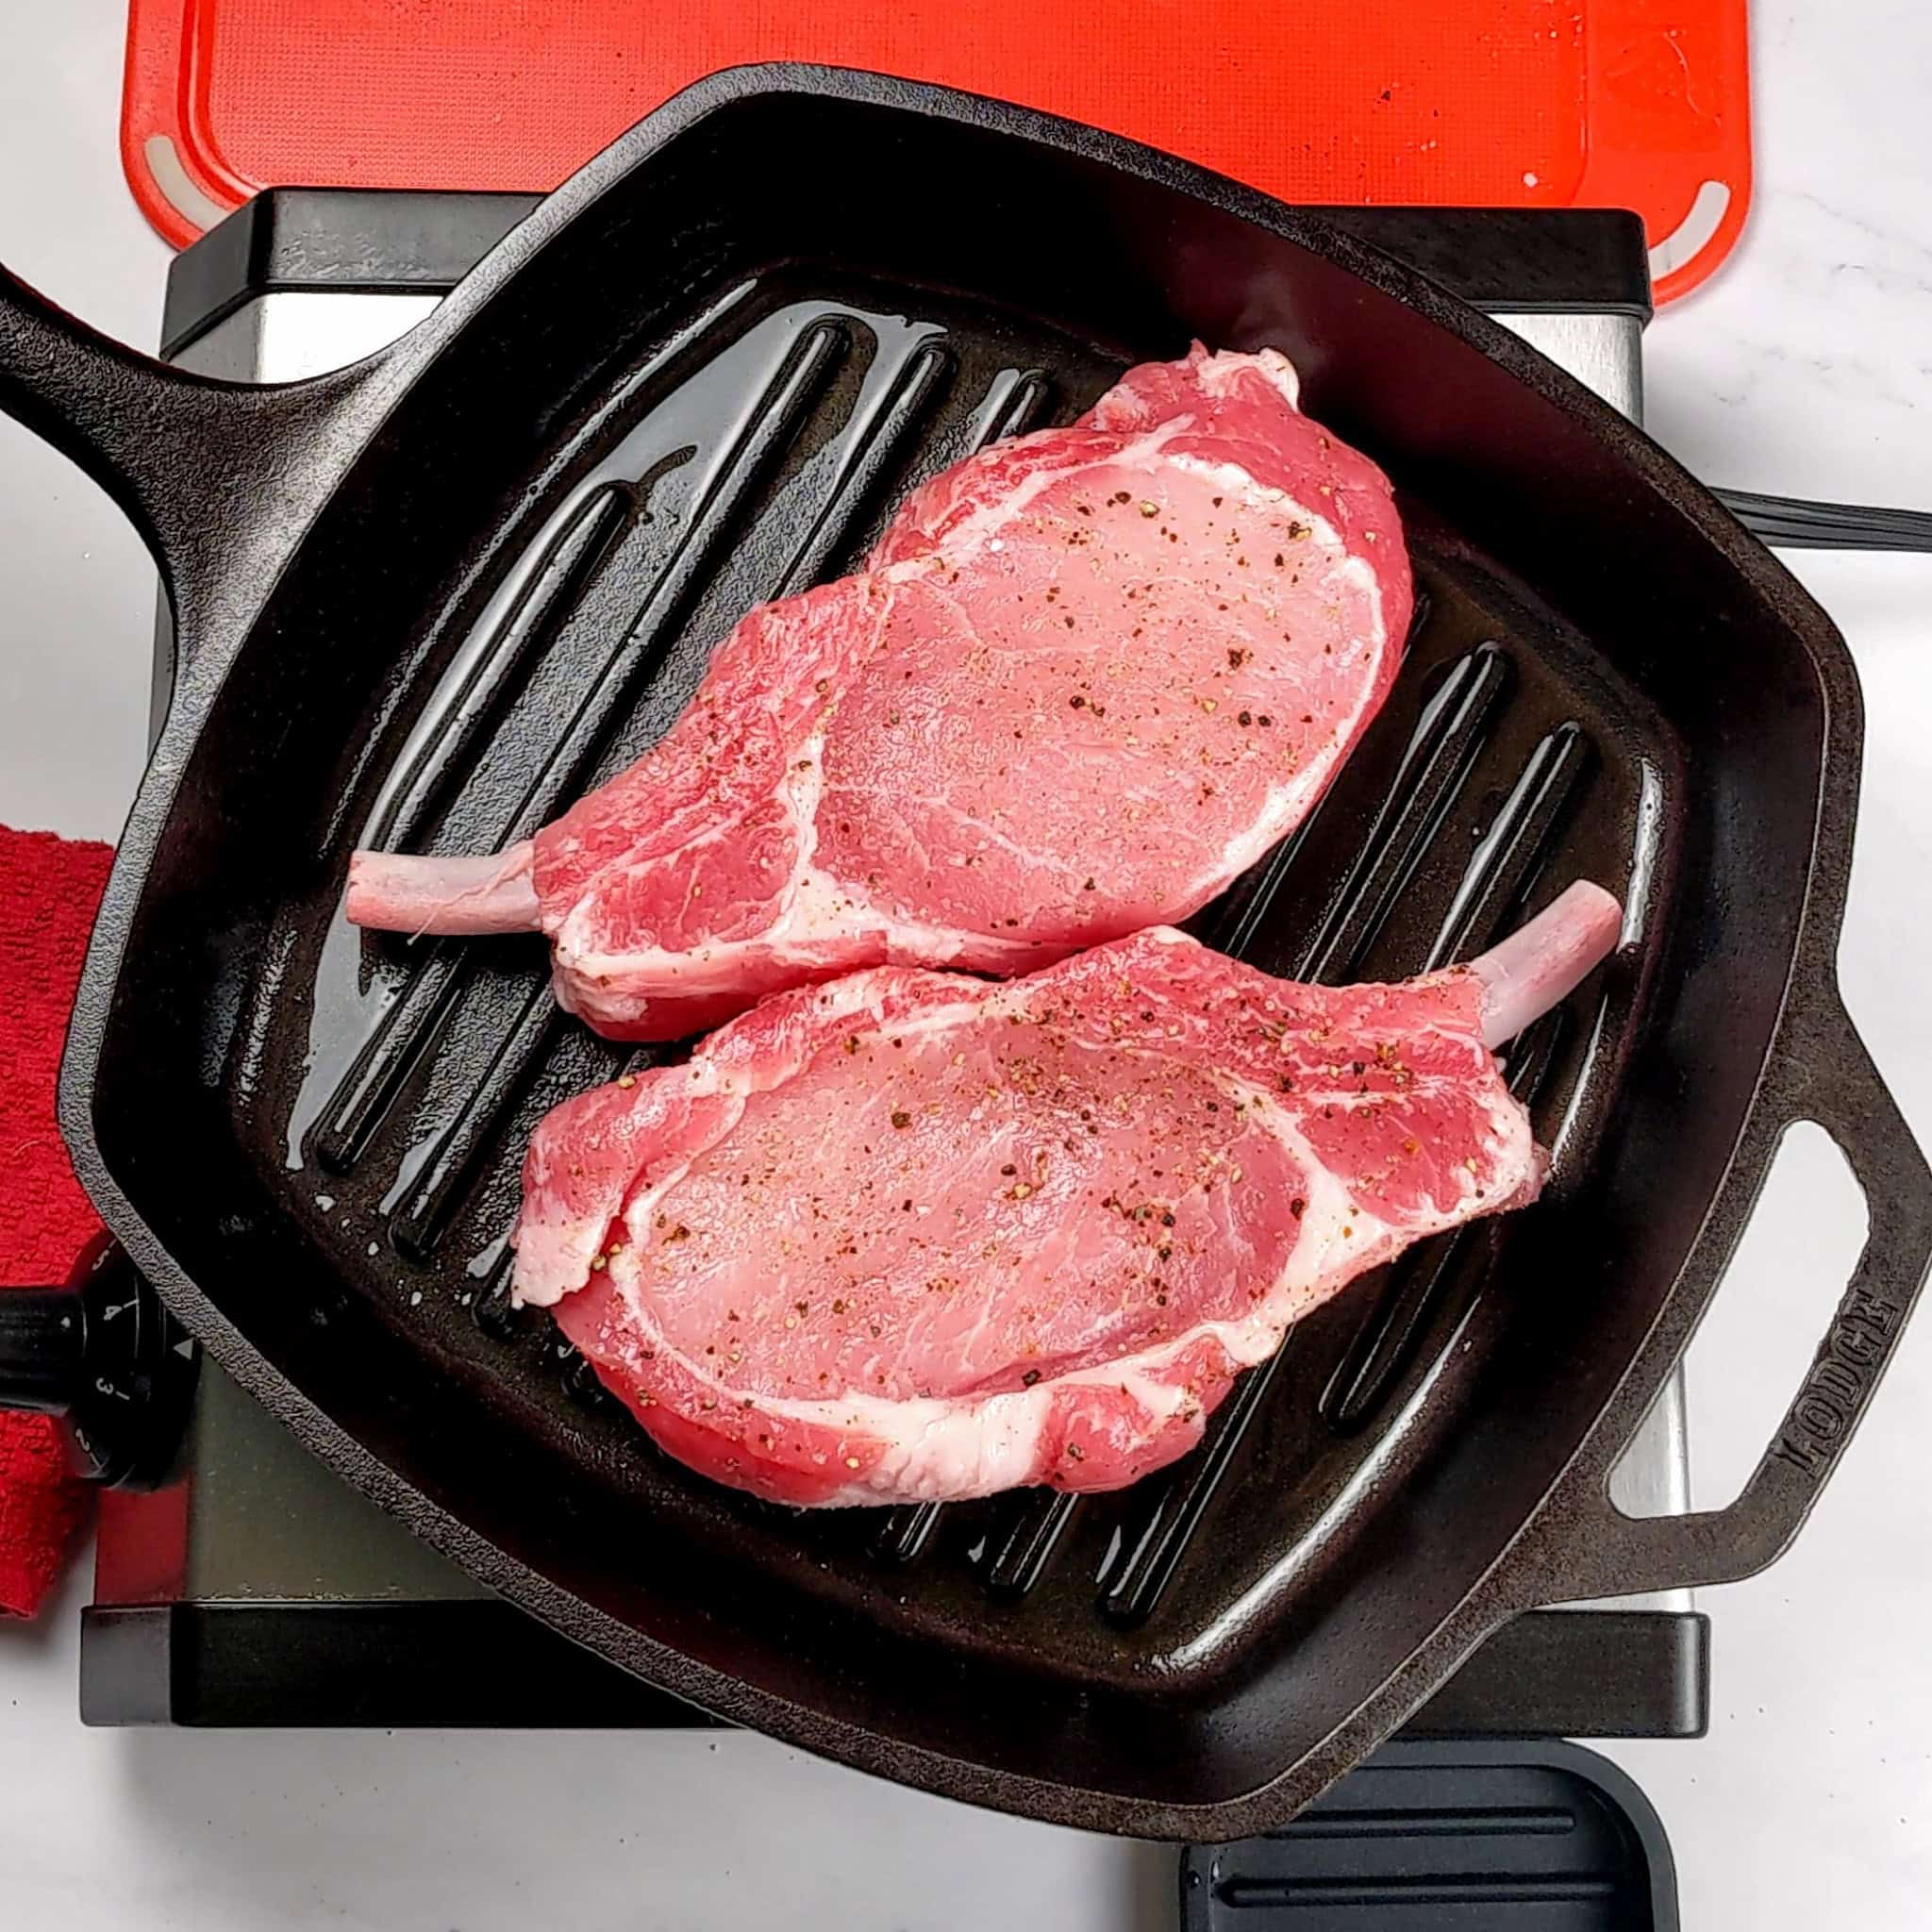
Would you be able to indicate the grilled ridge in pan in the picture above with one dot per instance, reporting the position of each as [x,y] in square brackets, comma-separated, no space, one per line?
[700,375]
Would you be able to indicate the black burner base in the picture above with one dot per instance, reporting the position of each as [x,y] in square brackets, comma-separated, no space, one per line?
[480,1664]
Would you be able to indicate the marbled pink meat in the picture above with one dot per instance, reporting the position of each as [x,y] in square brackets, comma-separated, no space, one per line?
[912,1235]
[1089,677]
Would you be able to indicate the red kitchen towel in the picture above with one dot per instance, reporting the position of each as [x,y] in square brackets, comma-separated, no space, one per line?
[49,889]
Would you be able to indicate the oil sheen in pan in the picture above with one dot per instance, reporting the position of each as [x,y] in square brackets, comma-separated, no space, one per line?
[683,469]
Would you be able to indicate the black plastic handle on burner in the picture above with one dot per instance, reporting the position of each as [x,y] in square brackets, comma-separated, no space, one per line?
[219,477]
[1821,1071]
[102,1355]
[1790,523]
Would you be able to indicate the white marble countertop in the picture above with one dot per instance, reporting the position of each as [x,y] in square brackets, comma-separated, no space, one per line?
[1804,368]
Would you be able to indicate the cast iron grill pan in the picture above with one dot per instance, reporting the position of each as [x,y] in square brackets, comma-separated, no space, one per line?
[450,590]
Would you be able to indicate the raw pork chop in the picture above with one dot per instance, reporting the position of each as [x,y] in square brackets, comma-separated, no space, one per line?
[912,1235]
[1089,676]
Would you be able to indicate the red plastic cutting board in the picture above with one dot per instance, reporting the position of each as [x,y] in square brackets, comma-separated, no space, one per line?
[1639,104]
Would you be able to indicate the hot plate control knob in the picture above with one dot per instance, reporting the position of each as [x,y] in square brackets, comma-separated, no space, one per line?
[104,1356]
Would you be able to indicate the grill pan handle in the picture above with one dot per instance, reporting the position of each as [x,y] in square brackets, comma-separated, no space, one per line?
[220,478]
[1821,1072]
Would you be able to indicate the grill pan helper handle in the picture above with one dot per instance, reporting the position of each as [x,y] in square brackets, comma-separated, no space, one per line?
[220,478]
[1821,1072]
